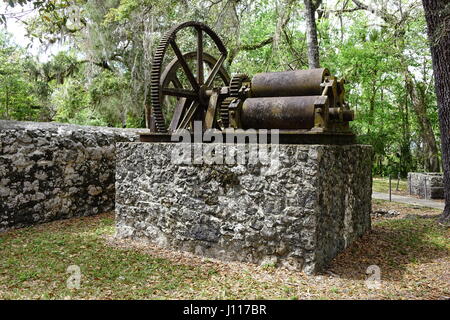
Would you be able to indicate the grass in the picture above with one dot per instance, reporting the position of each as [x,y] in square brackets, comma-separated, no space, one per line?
[382,185]
[35,262]
[412,252]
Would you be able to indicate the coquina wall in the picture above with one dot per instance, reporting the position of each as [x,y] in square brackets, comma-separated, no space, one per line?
[51,171]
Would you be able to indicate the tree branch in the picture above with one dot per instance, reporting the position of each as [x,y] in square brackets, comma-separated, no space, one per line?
[248,47]
[387,17]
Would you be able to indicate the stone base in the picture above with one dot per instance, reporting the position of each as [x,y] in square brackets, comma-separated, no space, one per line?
[300,214]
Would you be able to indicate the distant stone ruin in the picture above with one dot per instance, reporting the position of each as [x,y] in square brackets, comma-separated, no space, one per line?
[426,185]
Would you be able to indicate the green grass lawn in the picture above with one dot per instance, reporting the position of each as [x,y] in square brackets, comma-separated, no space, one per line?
[382,185]
[412,253]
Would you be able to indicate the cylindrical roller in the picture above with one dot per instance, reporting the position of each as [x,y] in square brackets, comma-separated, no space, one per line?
[289,83]
[279,112]
[348,115]
[341,114]
[335,113]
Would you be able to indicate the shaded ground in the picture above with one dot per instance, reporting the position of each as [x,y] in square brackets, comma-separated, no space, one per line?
[411,250]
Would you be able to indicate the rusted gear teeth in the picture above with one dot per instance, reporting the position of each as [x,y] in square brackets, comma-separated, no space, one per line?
[236,84]
[224,108]
[155,75]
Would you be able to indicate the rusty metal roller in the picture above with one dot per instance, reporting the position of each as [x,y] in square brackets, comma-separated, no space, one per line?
[289,83]
[279,112]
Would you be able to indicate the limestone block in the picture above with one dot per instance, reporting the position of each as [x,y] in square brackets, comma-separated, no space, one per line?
[300,213]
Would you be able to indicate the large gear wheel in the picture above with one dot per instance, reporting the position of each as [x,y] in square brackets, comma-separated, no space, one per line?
[157,91]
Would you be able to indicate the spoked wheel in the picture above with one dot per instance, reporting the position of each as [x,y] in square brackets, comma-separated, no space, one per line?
[178,97]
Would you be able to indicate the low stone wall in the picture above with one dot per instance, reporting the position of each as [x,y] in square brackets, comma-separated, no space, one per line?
[51,171]
[300,214]
[426,185]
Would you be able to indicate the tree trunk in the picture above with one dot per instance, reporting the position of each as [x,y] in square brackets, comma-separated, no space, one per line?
[405,145]
[149,120]
[311,33]
[372,107]
[7,102]
[438,20]
[426,130]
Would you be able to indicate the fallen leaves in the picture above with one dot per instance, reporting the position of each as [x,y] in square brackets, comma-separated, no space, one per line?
[411,250]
